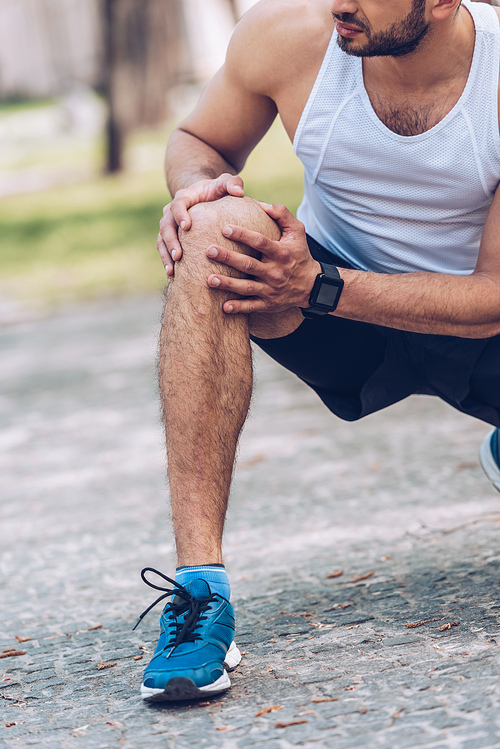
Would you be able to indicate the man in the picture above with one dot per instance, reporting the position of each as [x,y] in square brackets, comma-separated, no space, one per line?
[387,284]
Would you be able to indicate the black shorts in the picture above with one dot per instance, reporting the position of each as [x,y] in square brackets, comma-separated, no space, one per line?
[357,368]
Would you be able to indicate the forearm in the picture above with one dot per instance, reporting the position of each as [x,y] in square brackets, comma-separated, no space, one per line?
[189,160]
[442,304]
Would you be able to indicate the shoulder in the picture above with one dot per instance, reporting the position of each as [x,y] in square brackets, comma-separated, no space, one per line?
[277,40]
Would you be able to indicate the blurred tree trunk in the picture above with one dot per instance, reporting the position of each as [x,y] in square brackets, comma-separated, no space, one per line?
[145,55]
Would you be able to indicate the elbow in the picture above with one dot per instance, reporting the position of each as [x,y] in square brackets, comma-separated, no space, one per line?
[484,312]
[488,329]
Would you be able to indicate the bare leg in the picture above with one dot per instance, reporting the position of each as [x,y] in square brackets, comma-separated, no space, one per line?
[205,380]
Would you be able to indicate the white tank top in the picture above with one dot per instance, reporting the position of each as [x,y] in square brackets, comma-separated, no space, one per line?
[391,203]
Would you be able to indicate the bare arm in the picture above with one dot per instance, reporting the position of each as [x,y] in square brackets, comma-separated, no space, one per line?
[463,306]
[189,160]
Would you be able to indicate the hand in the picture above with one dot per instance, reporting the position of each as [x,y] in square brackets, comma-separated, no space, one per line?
[283,276]
[176,215]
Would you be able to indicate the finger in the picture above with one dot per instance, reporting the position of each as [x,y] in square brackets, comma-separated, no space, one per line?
[179,208]
[281,214]
[251,238]
[165,256]
[168,233]
[237,260]
[242,286]
[243,306]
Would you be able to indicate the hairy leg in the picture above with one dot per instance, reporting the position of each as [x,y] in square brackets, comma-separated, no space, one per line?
[205,380]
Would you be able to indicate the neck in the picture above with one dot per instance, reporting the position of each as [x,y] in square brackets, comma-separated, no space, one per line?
[444,54]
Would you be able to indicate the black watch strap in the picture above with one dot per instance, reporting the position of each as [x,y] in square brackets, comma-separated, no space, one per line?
[325,293]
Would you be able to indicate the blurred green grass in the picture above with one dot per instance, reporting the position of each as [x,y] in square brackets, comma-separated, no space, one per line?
[98,238]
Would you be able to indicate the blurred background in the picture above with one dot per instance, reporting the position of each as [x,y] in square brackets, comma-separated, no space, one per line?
[89,92]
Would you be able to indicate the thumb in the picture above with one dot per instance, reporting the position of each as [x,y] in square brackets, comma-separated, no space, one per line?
[234,186]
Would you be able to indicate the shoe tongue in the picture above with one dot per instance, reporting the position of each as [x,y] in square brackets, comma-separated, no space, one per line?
[199,588]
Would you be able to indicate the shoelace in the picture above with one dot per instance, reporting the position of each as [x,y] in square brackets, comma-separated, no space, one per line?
[193,608]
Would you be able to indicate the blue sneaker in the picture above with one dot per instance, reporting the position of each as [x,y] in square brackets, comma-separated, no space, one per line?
[489,455]
[196,643]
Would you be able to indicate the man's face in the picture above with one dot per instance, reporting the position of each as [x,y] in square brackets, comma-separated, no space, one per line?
[357,36]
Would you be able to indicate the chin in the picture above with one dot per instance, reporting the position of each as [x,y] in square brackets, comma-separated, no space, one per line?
[349,47]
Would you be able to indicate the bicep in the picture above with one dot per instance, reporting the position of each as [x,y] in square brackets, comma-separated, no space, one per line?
[230,117]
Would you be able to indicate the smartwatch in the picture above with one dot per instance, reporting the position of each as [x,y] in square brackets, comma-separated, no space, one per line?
[325,293]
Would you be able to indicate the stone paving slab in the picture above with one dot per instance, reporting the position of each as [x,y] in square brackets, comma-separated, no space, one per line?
[338,536]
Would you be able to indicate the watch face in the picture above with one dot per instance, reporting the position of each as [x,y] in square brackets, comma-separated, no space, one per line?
[327,293]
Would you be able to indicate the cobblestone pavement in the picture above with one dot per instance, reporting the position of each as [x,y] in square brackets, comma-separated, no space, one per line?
[339,535]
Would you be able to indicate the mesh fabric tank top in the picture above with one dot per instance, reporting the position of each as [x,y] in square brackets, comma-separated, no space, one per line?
[391,203]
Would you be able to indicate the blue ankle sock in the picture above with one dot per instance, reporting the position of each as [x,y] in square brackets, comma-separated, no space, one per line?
[214,574]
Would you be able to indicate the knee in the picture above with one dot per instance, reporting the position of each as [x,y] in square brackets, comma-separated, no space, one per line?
[244,211]
[208,220]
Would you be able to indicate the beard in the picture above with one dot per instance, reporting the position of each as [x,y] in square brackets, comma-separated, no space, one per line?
[402,38]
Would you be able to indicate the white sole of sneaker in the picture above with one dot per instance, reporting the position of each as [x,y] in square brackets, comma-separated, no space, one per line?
[488,463]
[233,657]
[181,688]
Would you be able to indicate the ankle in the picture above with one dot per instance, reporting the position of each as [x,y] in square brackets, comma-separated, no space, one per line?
[203,555]
[214,574]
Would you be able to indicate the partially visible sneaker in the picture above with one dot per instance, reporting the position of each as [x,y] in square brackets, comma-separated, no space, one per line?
[489,455]
[196,646]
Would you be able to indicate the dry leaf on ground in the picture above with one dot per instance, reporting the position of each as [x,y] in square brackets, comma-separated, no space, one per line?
[397,714]
[267,710]
[364,577]
[411,625]
[253,461]
[464,465]
[12,652]
[290,723]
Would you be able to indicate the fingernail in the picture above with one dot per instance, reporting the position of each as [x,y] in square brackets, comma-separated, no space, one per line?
[167,269]
[229,308]
[214,282]
[182,224]
[212,252]
[174,254]
[265,205]
[227,231]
